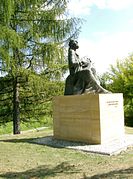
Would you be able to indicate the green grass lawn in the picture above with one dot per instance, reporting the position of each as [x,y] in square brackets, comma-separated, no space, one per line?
[20,159]
[8,127]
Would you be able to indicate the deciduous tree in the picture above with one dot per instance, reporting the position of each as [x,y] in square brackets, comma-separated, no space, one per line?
[120,80]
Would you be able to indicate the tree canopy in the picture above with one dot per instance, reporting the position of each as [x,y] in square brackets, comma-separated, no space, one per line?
[120,79]
[32,33]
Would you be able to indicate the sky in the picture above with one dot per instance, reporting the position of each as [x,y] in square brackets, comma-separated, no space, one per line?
[107,32]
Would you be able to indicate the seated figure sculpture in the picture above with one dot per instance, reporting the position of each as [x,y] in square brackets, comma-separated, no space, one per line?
[73,58]
[82,78]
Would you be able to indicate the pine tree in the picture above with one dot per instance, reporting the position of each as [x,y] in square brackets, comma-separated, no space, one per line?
[31,37]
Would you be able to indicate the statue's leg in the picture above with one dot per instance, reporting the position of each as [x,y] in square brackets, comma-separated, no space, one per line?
[78,88]
[69,85]
[78,83]
[93,85]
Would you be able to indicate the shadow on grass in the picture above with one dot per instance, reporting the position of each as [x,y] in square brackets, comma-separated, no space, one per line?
[42,172]
[47,140]
[125,173]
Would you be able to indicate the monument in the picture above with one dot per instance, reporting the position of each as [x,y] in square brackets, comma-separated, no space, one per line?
[82,78]
[87,112]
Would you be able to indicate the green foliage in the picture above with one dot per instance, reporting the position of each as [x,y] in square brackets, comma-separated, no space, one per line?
[5,99]
[32,33]
[45,121]
[6,128]
[39,93]
[120,79]
[36,94]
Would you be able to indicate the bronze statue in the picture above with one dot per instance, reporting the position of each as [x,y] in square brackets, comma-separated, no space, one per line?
[73,57]
[82,78]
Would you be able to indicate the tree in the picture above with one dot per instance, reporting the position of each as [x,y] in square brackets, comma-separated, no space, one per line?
[31,37]
[5,99]
[120,79]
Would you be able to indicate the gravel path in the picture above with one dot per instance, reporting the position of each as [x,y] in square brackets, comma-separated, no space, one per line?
[111,148]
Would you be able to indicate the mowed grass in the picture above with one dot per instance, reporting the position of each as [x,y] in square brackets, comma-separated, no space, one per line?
[44,121]
[21,159]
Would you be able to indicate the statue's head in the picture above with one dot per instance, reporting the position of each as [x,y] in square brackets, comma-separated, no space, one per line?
[73,44]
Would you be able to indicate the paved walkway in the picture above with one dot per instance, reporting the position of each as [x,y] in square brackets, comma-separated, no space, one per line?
[111,148]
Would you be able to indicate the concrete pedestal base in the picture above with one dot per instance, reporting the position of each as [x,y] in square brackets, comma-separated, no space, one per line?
[91,118]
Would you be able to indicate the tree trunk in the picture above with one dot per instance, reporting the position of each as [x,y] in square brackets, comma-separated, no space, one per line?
[16,112]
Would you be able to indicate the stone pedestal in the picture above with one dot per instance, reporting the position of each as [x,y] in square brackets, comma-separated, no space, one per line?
[91,118]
